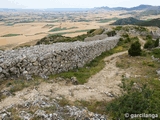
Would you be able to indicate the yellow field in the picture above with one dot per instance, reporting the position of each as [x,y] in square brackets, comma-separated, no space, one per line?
[32,31]
[28,32]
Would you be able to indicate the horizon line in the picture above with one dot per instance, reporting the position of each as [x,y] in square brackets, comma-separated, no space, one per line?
[76,7]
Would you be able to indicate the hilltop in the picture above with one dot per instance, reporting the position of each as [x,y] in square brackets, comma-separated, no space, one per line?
[127,21]
[140,7]
[133,21]
[154,22]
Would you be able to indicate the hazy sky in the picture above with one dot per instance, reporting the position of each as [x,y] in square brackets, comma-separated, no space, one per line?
[73,3]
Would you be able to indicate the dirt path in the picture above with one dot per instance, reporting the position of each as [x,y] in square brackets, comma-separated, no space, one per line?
[101,86]
[142,42]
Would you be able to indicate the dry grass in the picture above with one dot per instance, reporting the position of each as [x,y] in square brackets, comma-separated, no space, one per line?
[36,30]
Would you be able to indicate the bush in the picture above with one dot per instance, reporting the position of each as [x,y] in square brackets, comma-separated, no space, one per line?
[148,37]
[149,44]
[135,49]
[156,44]
[127,40]
[156,53]
[111,33]
[125,35]
[136,102]
[91,31]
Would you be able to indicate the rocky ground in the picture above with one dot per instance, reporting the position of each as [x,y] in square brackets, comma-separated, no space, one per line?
[30,102]
[42,101]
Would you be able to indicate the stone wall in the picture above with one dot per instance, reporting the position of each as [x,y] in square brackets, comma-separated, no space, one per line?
[43,60]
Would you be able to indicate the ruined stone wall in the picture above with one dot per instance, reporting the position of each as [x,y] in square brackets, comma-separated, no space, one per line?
[43,60]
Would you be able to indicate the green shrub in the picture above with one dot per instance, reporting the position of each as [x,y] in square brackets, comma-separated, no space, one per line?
[156,53]
[118,28]
[149,44]
[111,33]
[156,44]
[135,49]
[127,40]
[138,99]
[125,35]
[148,37]
[91,31]
[132,103]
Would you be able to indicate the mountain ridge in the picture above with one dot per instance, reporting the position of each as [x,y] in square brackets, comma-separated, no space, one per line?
[140,7]
[134,21]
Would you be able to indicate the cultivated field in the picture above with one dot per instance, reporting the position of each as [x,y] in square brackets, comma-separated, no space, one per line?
[18,28]
[25,28]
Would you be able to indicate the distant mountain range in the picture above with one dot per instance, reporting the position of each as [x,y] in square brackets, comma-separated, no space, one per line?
[140,7]
[133,21]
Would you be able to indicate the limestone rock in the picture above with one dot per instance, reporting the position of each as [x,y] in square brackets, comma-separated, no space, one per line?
[53,58]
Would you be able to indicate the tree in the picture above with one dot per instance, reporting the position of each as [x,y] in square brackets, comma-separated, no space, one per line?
[156,44]
[135,49]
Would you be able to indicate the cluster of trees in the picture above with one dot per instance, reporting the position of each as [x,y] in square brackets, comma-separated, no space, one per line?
[135,49]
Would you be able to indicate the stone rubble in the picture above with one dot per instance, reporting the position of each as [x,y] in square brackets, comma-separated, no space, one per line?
[56,112]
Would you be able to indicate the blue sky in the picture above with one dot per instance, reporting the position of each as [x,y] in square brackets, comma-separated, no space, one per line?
[73,3]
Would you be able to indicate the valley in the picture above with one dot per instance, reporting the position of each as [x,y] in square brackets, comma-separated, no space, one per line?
[91,64]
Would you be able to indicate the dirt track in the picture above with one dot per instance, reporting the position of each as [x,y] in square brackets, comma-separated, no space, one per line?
[102,86]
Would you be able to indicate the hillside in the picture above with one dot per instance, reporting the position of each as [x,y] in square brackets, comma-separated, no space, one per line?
[133,21]
[154,22]
[127,21]
[150,12]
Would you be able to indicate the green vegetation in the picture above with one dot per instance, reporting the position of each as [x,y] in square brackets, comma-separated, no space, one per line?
[48,25]
[128,28]
[54,38]
[60,29]
[118,28]
[57,29]
[153,22]
[17,85]
[140,29]
[91,31]
[83,20]
[126,41]
[127,21]
[150,12]
[139,99]
[133,21]
[121,64]
[149,44]
[156,44]
[10,35]
[13,23]
[107,20]
[156,53]
[82,74]
[111,33]
[135,49]
[63,33]
[142,94]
